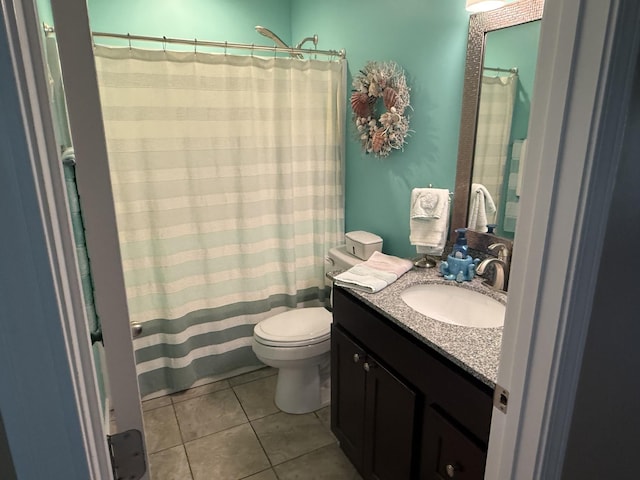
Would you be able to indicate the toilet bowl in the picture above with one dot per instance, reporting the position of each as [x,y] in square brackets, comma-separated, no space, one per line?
[298,343]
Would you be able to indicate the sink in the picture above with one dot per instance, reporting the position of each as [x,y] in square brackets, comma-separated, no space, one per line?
[455,305]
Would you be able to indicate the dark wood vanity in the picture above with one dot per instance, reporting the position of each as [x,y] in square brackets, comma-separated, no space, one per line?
[399,409]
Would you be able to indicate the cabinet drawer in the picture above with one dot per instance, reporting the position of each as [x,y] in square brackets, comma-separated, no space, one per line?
[447,453]
[460,394]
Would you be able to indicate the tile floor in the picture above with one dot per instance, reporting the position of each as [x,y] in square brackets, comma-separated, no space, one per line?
[232,430]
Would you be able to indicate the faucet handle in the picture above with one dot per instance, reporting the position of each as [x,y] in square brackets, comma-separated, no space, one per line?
[502,251]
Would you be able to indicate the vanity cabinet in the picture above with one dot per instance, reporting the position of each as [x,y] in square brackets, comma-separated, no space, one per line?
[399,409]
[378,443]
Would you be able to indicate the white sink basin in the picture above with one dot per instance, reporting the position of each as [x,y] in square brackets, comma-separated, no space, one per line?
[455,305]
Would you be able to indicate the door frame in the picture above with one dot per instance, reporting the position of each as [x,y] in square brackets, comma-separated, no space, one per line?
[576,125]
[75,44]
[94,186]
[52,257]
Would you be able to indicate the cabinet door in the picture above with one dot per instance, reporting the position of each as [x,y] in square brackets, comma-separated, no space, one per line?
[389,425]
[348,396]
[447,452]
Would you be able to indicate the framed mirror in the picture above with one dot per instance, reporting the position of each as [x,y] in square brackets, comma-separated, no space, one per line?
[500,47]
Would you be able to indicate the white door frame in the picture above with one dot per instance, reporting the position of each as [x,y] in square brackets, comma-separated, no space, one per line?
[75,44]
[65,378]
[83,106]
[577,120]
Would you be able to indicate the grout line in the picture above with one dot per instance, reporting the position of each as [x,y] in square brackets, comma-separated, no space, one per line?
[271,374]
[176,399]
[175,414]
[253,429]
[186,454]
[261,471]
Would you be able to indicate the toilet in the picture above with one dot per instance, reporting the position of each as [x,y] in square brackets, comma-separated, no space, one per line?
[298,343]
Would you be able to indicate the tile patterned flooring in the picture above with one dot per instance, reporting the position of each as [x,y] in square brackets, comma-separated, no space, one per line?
[232,430]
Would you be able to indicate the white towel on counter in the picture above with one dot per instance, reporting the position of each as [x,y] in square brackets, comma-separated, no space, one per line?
[429,220]
[481,208]
[378,272]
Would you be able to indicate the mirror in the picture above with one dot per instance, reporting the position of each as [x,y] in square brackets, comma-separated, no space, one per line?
[492,131]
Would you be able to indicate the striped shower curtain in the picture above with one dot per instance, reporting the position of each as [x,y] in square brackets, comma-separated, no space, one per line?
[495,115]
[227,176]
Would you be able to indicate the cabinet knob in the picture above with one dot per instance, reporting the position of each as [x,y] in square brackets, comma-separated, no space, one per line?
[451,470]
[356,358]
[366,366]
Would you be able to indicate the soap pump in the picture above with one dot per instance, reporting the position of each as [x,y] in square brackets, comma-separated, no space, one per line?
[460,248]
[459,265]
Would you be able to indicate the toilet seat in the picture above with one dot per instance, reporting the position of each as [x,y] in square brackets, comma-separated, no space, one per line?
[295,328]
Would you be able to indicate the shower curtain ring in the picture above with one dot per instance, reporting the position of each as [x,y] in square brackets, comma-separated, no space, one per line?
[225,47]
[195,45]
[129,39]
[253,46]
[164,43]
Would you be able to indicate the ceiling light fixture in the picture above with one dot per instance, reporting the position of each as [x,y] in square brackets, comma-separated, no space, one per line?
[475,6]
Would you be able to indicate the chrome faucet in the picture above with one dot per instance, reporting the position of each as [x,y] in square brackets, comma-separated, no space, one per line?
[500,264]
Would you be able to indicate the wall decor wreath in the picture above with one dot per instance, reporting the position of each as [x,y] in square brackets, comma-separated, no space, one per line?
[386,81]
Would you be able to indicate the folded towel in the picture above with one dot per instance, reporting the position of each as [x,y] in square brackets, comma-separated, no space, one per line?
[375,274]
[481,208]
[428,203]
[429,234]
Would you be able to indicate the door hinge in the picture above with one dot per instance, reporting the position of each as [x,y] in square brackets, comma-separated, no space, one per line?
[127,455]
[501,398]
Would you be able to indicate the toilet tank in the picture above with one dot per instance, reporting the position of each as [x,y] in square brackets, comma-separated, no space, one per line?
[339,259]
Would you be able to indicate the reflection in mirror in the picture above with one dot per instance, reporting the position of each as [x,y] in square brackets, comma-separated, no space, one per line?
[503,118]
[486,30]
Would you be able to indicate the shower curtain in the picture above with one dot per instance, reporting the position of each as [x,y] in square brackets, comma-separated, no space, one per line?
[495,114]
[227,175]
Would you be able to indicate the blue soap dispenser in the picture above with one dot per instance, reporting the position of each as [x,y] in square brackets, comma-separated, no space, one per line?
[460,247]
[459,265]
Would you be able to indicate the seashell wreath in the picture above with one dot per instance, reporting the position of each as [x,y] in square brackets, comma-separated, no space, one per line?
[388,132]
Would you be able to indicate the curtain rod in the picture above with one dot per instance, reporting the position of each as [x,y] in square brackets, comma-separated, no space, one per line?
[206,43]
[496,69]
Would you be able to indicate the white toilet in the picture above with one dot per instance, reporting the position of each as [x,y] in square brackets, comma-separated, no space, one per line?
[298,343]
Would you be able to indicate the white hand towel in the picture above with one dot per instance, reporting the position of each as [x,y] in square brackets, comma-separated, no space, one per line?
[481,208]
[429,233]
[428,203]
[376,273]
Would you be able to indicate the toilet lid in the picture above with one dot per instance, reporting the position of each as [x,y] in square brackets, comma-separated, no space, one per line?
[303,326]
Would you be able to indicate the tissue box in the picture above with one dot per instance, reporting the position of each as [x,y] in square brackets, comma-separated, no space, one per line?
[363,244]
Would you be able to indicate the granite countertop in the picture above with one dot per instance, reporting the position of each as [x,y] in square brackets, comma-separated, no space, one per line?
[476,350]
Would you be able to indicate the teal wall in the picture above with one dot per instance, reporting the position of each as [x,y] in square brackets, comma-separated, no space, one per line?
[230,20]
[426,37]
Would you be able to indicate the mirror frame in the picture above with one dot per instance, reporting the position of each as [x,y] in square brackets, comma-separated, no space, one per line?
[480,24]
